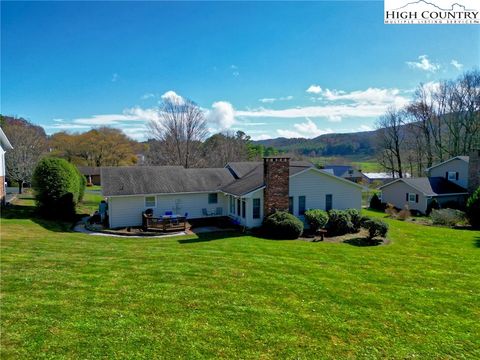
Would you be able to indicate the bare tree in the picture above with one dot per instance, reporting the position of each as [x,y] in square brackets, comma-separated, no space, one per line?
[220,149]
[29,144]
[179,130]
[391,141]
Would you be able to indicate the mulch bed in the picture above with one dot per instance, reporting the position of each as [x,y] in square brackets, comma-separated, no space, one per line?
[357,239]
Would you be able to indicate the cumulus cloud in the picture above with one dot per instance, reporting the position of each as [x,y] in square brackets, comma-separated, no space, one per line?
[456,64]
[222,115]
[314,89]
[307,129]
[424,64]
[172,97]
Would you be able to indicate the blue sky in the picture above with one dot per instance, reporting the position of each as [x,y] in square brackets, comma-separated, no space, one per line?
[270,69]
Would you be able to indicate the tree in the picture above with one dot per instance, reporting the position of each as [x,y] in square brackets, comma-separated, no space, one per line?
[391,139]
[219,149]
[473,209]
[29,144]
[179,130]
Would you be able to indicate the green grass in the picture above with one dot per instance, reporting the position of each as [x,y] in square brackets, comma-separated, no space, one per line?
[70,295]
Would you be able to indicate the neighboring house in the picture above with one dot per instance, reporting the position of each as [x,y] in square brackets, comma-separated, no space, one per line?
[91,173]
[347,172]
[417,193]
[454,170]
[449,181]
[4,146]
[244,191]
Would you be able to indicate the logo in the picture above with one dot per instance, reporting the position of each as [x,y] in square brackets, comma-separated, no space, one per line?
[432,12]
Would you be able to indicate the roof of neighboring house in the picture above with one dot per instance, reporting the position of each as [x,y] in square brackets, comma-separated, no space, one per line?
[4,141]
[89,170]
[338,170]
[463,158]
[138,180]
[383,175]
[431,186]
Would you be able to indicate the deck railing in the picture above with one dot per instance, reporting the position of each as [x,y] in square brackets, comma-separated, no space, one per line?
[164,223]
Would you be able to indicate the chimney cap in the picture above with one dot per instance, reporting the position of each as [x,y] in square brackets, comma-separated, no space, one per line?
[277,157]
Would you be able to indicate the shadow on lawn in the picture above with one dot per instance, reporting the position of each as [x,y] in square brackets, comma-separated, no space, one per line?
[24,212]
[476,242]
[361,241]
[211,236]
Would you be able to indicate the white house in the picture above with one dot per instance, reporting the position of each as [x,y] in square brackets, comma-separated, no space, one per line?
[454,170]
[244,191]
[4,145]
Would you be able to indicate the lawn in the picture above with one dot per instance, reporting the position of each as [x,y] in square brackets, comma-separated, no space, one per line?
[70,295]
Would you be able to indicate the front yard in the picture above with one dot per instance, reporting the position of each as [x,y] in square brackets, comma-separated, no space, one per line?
[70,295]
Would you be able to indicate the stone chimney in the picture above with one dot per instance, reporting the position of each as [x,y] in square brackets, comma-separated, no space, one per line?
[276,171]
[474,170]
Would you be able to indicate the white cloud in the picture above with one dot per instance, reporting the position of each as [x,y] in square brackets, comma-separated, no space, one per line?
[424,64]
[370,95]
[58,120]
[456,64]
[148,96]
[314,89]
[114,77]
[272,100]
[365,128]
[235,71]
[261,137]
[222,114]
[335,118]
[307,129]
[173,97]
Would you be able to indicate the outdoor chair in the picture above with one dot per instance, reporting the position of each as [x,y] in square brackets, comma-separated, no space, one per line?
[219,211]
[168,213]
[204,212]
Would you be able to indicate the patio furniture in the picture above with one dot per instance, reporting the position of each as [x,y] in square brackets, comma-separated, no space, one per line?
[168,213]
[219,211]
[164,223]
[322,233]
[205,212]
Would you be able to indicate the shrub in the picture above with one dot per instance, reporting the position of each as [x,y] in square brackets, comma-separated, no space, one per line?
[57,185]
[375,227]
[473,209]
[339,223]
[376,203]
[316,219]
[447,217]
[282,225]
[432,205]
[355,219]
[404,214]
[82,183]
[390,210]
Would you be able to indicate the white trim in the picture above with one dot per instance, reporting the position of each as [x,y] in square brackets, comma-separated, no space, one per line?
[160,194]
[330,175]
[446,161]
[244,194]
[414,187]
[449,194]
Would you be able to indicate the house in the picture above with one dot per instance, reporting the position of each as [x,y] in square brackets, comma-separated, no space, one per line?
[448,182]
[91,173]
[382,177]
[347,172]
[4,146]
[243,191]
[454,170]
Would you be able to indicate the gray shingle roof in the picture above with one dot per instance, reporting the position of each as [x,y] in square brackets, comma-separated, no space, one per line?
[89,170]
[237,178]
[137,180]
[432,186]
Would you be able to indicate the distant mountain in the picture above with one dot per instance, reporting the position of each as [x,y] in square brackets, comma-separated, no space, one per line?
[360,143]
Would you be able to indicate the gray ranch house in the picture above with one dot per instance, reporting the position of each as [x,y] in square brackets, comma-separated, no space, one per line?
[243,191]
[447,182]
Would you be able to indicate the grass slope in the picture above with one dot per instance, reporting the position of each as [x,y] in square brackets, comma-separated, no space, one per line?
[70,295]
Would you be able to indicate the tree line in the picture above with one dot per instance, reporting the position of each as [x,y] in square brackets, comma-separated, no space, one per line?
[441,121]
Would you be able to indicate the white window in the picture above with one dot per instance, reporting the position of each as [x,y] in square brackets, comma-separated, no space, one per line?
[452,175]
[412,197]
[150,201]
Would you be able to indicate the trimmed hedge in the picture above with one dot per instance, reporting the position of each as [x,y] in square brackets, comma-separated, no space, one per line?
[316,219]
[282,225]
[473,209]
[355,219]
[375,227]
[58,188]
[339,223]
[376,203]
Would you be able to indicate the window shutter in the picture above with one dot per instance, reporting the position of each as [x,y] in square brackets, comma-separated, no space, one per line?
[446,175]
[416,198]
[456,175]
[406,196]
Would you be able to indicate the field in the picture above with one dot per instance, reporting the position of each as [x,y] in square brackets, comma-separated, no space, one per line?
[224,295]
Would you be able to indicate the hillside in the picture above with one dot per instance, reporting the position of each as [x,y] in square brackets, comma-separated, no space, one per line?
[360,143]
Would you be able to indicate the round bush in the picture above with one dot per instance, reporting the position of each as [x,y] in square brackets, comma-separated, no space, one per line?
[375,227]
[316,219]
[282,225]
[339,223]
[433,204]
[57,185]
[82,184]
[473,209]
